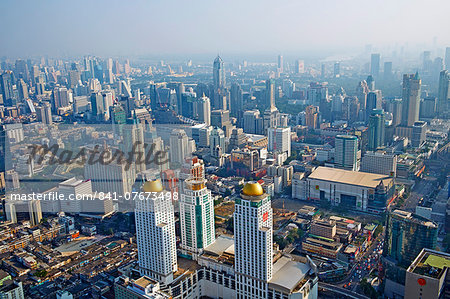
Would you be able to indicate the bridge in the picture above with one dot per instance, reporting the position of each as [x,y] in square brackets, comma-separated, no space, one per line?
[341,291]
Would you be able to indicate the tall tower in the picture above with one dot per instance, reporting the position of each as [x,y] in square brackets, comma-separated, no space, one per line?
[270,93]
[376,129]
[203,105]
[218,74]
[253,237]
[375,65]
[236,101]
[196,217]
[155,233]
[280,63]
[346,152]
[179,147]
[444,91]
[411,99]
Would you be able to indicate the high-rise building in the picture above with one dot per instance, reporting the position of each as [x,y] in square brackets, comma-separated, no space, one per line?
[72,188]
[133,141]
[203,107]
[155,233]
[346,149]
[312,117]
[10,289]
[179,147]
[410,99]
[270,94]
[217,142]
[196,217]
[61,98]
[280,140]
[280,63]
[252,122]
[44,113]
[428,275]
[374,100]
[221,118]
[375,65]
[428,107]
[394,106]
[317,93]
[218,74]
[407,234]
[376,129]
[419,133]
[253,230]
[299,66]
[337,69]
[387,71]
[447,58]
[444,91]
[361,92]
[370,82]
[236,101]
[380,163]
[6,88]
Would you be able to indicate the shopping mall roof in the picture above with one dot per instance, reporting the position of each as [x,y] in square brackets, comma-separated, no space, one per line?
[363,179]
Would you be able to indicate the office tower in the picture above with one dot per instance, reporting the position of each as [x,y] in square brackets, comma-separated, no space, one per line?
[419,133]
[196,217]
[21,70]
[44,113]
[380,163]
[179,147]
[376,129]
[394,106]
[346,149]
[23,89]
[444,92]
[370,83]
[179,89]
[70,189]
[361,92]
[317,93]
[204,136]
[428,107]
[375,65]
[221,118]
[280,63]
[203,107]
[114,177]
[237,139]
[188,102]
[322,71]
[218,74]
[217,142]
[312,117]
[337,69]
[61,97]
[410,99]
[280,140]
[350,109]
[155,233]
[426,62]
[387,72]
[270,94]
[428,275]
[252,122]
[374,101]
[236,101]
[299,66]
[447,58]
[253,231]
[133,142]
[35,212]
[6,88]
[406,235]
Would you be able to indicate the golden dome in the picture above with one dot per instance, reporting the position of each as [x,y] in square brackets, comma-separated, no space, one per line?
[253,189]
[153,186]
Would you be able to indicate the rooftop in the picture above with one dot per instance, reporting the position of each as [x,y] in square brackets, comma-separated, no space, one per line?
[288,274]
[430,263]
[363,179]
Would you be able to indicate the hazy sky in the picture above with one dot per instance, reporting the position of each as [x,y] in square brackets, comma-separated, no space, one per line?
[127,27]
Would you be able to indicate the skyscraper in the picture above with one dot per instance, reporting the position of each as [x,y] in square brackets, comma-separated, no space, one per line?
[280,63]
[203,107]
[444,92]
[374,101]
[280,140]
[155,233]
[217,142]
[253,242]
[346,149]
[375,65]
[6,88]
[376,129]
[218,74]
[196,217]
[410,99]
[311,117]
[299,66]
[447,58]
[236,101]
[337,69]
[387,71]
[179,147]
[407,234]
[361,92]
[270,94]
[44,113]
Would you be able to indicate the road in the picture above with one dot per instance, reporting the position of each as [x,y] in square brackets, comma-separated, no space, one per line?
[341,291]
[422,188]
